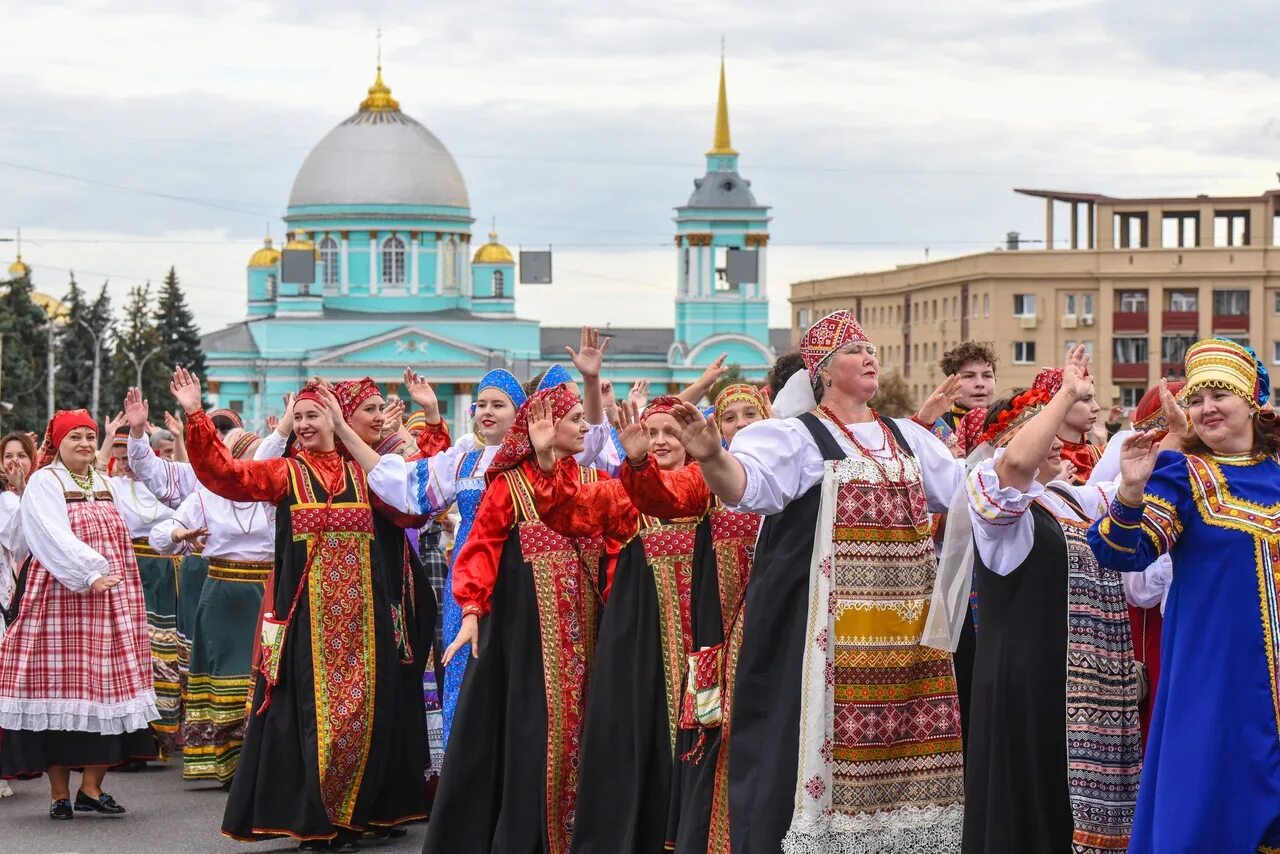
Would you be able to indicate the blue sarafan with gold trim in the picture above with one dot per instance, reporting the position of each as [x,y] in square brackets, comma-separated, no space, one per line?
[1211,779]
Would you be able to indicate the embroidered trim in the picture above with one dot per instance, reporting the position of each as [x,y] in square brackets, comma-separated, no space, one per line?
[1267,559]
[668,549]
[1220,509]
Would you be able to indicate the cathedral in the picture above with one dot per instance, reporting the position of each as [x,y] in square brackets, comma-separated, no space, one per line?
[383,207]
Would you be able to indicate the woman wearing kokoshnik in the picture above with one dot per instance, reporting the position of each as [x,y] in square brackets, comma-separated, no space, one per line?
[322,725]
[1054,751]
[846,732]
[1211,775]
[75,666]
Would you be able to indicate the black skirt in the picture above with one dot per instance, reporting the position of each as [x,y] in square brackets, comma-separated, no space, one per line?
[624,789]
[26,754]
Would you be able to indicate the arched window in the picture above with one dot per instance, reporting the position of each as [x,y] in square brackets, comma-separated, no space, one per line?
[393,261]
[499,285]
[271,286]
[329,272]
[450,267]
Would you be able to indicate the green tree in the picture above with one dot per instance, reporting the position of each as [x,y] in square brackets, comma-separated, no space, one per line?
[178,332]
[733,376]
[24,360]
[138,345]
[893,400]
[102,318]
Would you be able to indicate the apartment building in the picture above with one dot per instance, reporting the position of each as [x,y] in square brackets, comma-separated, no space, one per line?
[1135,280]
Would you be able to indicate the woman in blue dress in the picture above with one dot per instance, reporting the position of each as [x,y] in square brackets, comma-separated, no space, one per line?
[1211,780]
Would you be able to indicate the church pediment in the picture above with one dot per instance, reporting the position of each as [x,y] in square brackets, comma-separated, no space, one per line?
[407,345]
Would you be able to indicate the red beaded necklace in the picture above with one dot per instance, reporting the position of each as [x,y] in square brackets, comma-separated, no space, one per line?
[888,441]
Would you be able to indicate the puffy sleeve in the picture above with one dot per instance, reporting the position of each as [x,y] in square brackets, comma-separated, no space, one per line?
[576,509]
[47,529]
[940,471]
[1148,588]
[666,495]
[476,567]
[11,527]
[221,474]
[424,486]
[190,514]
[433,439]
[170,482]
[593,444]
[1003,530]
[612,456]
[1128,538]
[271,447]
[781,462]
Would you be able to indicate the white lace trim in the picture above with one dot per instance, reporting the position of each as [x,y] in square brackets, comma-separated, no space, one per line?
[905,830]
[37,715]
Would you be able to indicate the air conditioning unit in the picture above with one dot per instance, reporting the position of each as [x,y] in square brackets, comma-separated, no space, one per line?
[1027,321]
[1069,321]
[1086,320]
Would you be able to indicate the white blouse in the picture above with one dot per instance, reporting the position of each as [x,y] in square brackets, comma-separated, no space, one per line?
[238,530]
[783,462]
[398,481]
[139,506]
[169,481]
[271,447]
[47,528]
[13,547]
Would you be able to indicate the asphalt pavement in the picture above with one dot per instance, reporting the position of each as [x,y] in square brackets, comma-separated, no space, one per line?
[166,816]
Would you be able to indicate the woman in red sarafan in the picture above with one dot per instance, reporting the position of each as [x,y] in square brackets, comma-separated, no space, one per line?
[315,755]
[75,667]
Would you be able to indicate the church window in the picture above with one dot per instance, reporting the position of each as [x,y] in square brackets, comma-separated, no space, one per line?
[393,261]
[271,286]
[499,285]
[450,267]
[329,261]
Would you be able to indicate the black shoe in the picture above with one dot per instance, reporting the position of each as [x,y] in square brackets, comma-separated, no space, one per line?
[346,840]
[104,804]
[314,845]
[61,810]
[388,832]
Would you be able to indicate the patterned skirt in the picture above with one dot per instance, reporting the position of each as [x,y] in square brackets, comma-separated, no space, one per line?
[160,588]
[218,685]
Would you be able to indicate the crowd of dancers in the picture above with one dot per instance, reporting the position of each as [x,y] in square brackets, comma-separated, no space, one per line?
[781,622]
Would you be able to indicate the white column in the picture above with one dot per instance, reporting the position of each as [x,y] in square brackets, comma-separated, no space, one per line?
[462,413]
[464,268]
[762,277]
[373,264]
[702,271]
[439,266]
[682,282]
[413,265]
[342,267]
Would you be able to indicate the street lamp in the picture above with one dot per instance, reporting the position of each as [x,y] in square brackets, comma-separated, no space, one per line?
[139,365]
[97,365]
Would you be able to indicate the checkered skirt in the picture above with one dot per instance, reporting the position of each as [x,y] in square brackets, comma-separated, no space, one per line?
[80,661]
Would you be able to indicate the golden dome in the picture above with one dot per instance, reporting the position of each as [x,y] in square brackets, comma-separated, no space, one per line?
[50,306]
[493,252]
[301,242]
[379,100]
[267,256]
[19,270]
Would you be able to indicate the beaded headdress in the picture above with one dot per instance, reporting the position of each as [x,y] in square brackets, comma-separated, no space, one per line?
[1225,364]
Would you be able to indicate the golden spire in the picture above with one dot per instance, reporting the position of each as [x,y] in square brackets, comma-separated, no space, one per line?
[722,144]
[19,270]
[379,100]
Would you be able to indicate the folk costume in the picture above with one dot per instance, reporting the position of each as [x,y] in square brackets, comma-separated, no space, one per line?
[513,782]
[1211,779]
[1084,455]
[1041,775]
[75,667]
[315,754]
[239,551]
[831,671]
[13,550]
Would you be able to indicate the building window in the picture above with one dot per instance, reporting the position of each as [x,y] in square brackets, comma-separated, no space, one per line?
[1024,305]
[933,309]
[1132,302]
[1275,352]
[1230,228]
[1086,305]
[271,286]
[1231,303]
[1024,352]
[1276,306]
[1173,348]
[986,305]
[1184,301]
[1069,305]
[499,285]
[1130,395]
[450,260]
[236,406]
[1130,351]
[393,261]
[329,271]
[802,318]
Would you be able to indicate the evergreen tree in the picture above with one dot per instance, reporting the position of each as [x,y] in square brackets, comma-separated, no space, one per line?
[24,360]
[138,343]
[177,325]
[75,352]
[102,318]
[893,399]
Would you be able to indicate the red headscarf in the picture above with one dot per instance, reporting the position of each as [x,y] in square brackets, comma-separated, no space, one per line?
[62,423]
[311,392]
[1049,379]
[515,447]
[969,429]
[663,404]
[352,393]
[1148,415]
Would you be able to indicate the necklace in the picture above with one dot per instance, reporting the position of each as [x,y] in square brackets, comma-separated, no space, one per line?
[137,505]
[236,507]
[867,452]
[85,483]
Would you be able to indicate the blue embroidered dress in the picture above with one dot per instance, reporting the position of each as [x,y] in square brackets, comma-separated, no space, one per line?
[1211,780]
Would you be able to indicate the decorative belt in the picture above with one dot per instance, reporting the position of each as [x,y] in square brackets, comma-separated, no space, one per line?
[255,571]
[142,548]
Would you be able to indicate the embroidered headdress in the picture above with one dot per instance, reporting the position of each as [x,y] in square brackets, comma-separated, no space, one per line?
[229,414]
[1049,379]
[554,376]
[62,423]
[505,382]
[120,439]
[969,429]
[741,393]
[827,336]
[515,447]
[663,404]
[311,392]
[415,422]
[352,393]
[239,441]
[1148,415]
[1021,409]
[1222,363]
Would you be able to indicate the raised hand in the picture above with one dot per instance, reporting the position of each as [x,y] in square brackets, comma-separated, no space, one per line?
[698,434]
[15,478]
[392,416]
[639,393]
[136,412]
[1179,423]
[335,408]
[174,425]
[421,392]
[185,387]
[714,371]
[115,423]
[589,357]
[285,423]
[1066,471]
[1075,373]
[936,405]
[1137,461]
[631,433]
[273,421]
[542,427]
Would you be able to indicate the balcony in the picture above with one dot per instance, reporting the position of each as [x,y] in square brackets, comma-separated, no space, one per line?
[1180,321]
[1129,321]
[1129,371]
[1231,323]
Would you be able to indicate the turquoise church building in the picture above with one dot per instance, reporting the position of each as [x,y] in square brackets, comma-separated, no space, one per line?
[384,209]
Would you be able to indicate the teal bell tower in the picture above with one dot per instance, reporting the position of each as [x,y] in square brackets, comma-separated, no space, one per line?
[722,214]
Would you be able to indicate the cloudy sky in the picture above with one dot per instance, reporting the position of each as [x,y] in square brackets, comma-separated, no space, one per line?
[138,135]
